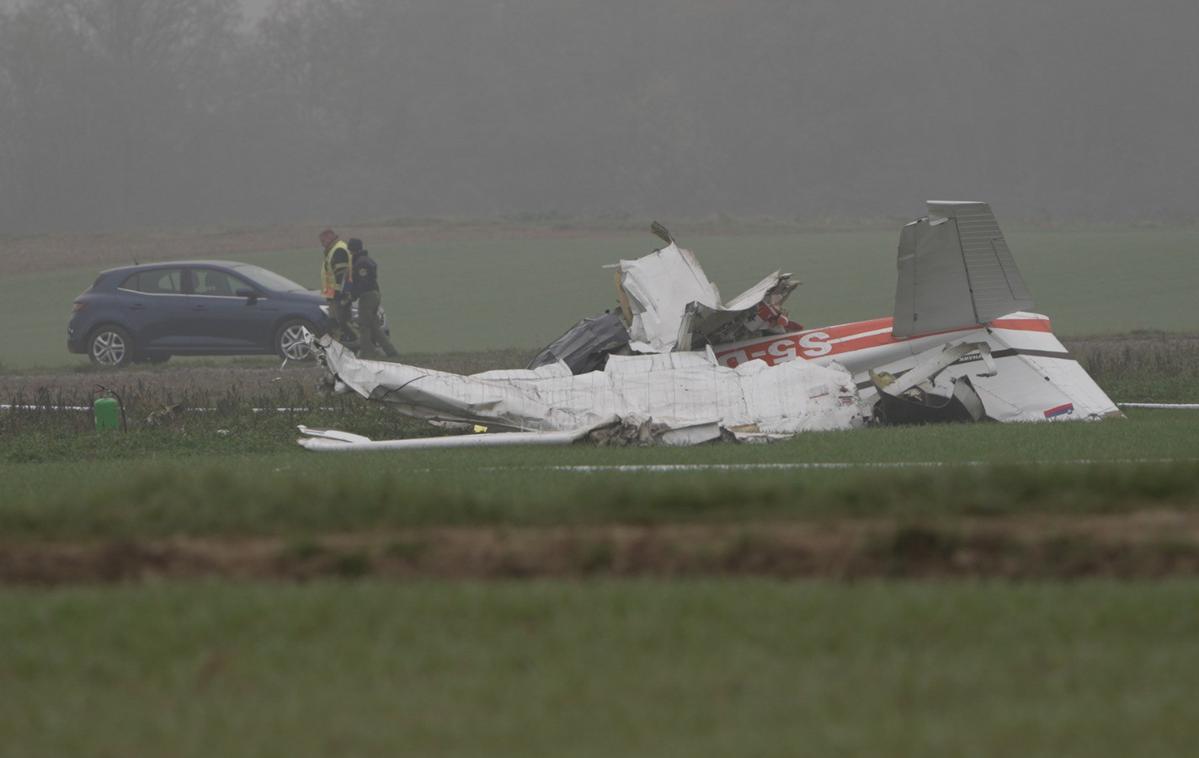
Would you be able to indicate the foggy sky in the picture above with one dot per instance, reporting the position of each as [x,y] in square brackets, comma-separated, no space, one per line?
[121,113]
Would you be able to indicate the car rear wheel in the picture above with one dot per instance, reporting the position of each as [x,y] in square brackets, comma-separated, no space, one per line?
[110,347]
[291,341]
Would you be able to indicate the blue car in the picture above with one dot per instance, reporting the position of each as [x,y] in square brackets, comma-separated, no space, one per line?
[148,313]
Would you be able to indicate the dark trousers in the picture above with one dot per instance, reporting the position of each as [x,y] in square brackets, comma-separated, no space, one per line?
[343,329]
[372,338]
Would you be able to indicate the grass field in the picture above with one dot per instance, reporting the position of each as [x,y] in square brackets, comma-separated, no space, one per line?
[250,480]
[745,667]
[233,471]
[476,294]
[201,586]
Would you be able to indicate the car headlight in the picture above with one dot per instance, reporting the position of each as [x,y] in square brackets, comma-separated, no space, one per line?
[324,309]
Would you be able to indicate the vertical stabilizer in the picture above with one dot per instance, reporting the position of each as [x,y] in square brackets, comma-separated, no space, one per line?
[955,269]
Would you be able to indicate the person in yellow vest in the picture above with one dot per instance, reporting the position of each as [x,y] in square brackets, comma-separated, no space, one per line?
[336,276]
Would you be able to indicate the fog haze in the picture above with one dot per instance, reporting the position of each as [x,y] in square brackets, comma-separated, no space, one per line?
[126,113]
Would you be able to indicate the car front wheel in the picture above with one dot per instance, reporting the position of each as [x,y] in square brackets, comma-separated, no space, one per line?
[291,341]
[110,347]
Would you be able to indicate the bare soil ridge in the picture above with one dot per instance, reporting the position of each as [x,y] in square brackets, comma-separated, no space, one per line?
[1145,544]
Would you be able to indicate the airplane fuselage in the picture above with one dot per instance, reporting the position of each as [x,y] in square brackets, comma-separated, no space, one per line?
[864,345]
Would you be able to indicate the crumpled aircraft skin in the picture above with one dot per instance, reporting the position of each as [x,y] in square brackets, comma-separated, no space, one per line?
[676,391]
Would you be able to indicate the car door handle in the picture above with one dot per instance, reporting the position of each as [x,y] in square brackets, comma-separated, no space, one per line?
[199,307]
[137,307]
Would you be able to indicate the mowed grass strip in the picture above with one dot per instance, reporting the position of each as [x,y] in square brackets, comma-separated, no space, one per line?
[69,438]
[299,495]
[196,480]
[746,667]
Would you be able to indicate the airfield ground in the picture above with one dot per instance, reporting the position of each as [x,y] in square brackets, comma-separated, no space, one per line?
[472,289]
[199,585]
[710,667]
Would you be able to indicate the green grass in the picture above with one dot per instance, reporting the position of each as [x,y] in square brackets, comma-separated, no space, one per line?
[745,667]
[633,668]
[480,294]
[167,482]
[68,438]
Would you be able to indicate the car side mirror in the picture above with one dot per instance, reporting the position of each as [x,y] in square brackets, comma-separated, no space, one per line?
[249,295]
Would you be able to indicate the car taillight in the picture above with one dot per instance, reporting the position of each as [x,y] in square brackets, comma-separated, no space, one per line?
[77,306]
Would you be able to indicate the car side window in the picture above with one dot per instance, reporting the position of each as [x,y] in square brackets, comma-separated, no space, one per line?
[162,281]
[218,283]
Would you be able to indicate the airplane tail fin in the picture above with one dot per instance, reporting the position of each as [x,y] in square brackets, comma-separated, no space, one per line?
[955,269]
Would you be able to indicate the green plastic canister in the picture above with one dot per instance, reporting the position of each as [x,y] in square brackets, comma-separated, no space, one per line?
[108,413]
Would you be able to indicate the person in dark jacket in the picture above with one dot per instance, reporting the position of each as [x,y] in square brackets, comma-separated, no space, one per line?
[364,285]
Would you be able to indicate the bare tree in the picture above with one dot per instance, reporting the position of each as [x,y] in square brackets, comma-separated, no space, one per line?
[108,94]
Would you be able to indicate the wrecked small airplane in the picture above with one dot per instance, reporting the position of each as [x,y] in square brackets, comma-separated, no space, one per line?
[676,365]
[963,342]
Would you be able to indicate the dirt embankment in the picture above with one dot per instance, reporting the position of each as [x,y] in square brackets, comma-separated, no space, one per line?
[1141,545]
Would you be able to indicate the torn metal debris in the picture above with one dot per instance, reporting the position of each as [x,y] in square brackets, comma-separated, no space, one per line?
[671,305]
[677,365]
[915,397]
[688,397]
[586,346]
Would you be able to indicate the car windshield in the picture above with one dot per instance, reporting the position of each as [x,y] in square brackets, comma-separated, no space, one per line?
[269,279]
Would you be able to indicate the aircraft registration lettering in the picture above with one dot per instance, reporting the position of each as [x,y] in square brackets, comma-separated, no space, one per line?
[771,352]
[815,344]
[781,350]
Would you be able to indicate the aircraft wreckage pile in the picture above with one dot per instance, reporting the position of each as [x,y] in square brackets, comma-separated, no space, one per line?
[674,364]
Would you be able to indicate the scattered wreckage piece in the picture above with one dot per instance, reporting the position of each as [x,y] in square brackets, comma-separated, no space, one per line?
[688,397]
[586,345]
[753,313]
[656,290]
[614,433]
[670,304]
[333,441]
[917,398]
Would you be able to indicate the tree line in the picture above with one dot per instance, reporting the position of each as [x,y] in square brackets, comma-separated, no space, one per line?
[120,113]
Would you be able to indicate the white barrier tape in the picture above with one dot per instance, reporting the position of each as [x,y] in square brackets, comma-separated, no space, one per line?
[20,407]
[10,407]
[29,407]
[669,468]
[662,468]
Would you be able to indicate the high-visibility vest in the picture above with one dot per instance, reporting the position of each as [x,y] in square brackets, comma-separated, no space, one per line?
[328,275]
